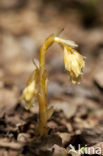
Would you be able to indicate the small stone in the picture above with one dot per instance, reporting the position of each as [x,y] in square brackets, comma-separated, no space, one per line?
[99,78]
[23,137]
[66,137]
[57,150]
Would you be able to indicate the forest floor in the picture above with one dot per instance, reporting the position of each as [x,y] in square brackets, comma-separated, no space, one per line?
[78,109]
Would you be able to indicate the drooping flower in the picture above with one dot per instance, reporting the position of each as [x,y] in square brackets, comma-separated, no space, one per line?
[74,63]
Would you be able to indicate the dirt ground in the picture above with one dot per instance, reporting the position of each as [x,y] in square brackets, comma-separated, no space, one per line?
[78,109]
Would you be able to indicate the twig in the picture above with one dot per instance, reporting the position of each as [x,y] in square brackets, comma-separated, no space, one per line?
[12,145]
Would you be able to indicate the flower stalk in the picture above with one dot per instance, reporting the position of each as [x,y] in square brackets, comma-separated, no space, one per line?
[37,86]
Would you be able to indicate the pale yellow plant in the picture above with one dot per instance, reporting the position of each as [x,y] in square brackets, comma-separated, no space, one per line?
[37,86]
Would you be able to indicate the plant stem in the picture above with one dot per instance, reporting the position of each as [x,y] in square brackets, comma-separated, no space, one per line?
[44,112]
[43,89]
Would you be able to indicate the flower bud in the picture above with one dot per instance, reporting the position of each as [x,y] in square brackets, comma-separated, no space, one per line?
[30,92]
